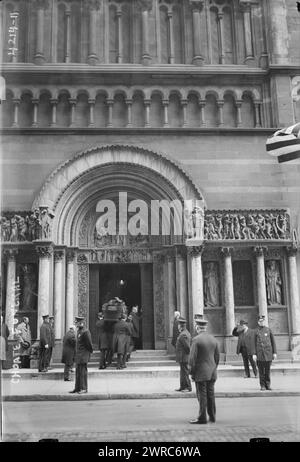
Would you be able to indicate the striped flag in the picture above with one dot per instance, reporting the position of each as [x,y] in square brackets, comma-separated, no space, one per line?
[285,143]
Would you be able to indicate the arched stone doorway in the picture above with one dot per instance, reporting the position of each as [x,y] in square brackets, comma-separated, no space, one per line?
[153,264]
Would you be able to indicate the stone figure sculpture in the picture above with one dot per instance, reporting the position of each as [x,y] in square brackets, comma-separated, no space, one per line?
[211,285]
[273,283]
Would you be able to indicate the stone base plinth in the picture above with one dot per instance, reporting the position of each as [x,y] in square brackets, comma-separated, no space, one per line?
[230,344]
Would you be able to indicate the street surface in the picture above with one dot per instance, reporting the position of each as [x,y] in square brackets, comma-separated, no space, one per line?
[238,420]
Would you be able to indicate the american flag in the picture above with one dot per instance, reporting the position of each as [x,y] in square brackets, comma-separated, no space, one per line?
[285,143]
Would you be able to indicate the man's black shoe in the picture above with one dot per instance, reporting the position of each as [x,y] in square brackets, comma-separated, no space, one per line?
[67,380]
[212,420]
[199,422]
[178,389]
[73,391]
[80,392]
[269,388]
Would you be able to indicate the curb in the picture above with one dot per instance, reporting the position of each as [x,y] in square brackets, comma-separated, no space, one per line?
[107,396]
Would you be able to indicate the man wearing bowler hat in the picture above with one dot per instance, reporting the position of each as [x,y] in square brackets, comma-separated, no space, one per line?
[265,352]
[204,360]
[45,340]
[245,346]
[84,349]
[183,344]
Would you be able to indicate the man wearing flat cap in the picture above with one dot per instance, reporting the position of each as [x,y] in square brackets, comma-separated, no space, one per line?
[265,352]
[45,340]
[245,346]
[183,344]
[204,360]
[84,348]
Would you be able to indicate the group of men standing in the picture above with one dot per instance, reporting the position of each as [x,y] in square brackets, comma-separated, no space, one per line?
[120,337]
[199,358]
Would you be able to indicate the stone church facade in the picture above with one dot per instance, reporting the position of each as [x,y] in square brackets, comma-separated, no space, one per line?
[162,100]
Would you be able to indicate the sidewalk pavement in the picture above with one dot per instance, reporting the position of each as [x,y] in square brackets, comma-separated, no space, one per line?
[106,386]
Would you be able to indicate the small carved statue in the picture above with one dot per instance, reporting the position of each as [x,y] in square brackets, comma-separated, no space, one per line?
[273,283]
[211,285]
[30,287]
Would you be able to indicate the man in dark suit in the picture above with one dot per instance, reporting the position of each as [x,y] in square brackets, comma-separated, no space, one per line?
[265,352]
[204,360]
[183,345]
[245,346]
[120,341]
[52,341]
[84,348]
[105,331]
[45,341]
[136,318]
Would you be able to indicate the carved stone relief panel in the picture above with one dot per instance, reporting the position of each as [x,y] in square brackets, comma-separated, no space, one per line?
[158,290]
[83,290]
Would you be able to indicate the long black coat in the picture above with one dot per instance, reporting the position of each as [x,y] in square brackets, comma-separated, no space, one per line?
[84,346]
[204,357]
[265,345]
[246,340]
[183,345]
[175,332]
[105,332]
[121,335]
[45,335]
[69,347]
[136,325]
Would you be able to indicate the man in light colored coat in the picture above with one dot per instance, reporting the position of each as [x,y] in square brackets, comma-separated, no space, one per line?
[24,337]
[183,344]
[204,360]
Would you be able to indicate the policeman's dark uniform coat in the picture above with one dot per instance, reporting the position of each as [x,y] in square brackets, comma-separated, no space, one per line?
[45,339]
[204,360]
[68,352]
[183,345]
[105,331]
[246,347]
[120,341]
[84,348]
[265,347]
[51,345]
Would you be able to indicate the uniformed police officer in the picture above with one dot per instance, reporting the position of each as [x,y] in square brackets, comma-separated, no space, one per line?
[265,352]
[84,348]
[183,345]
[44,344]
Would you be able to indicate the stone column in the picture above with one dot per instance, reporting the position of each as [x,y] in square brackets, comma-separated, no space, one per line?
[35,103]
[147,104]
[279,33]
[184,104]
[12,290]
[165,106]
[120,38]
[53,102]
[249,55]
[221,37]
[44,251]
[70,287]
[40,5]
[261,283]
[146,6]
[171,36]
[129,112]
[58,293]
[257,106]
[92,106]
[110,103]
[202,104]
[181,281]
[94,6]
[295,302]
[197,6]
[72,102]
[16,102]
[68,34]
[220,105]
[230,341]
[172,299]
[239,113]
[195,283]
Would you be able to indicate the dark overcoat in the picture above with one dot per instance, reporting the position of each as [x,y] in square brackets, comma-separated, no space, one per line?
[121,335]
[183,345]
[105,332]
[136,325]
[246,339]
[69,347]
[45,335]
[264,343]
[175,332]
[84,346]
[204,357]
[52,341]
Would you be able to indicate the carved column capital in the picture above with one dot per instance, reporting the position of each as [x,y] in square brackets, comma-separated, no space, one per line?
[58,255]
[181,251]
[44,251]
[53,101]
[292,251]
[41,4]
[10,254]
[91,101]
[196,4]
[92,5]
[145,5]
[159,258]
[16,101]
[170,255]
[247,4]
[195,250]
[72,101]
[226,251]
[260,251]
[70,255]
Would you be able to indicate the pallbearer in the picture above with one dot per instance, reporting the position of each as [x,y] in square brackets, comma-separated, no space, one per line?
[84,349]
